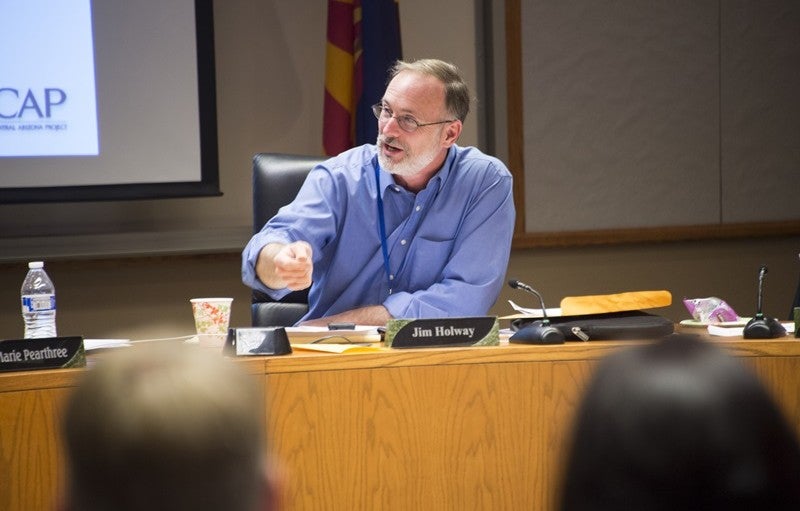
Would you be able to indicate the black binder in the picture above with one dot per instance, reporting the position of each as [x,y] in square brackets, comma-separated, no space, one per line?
[627,325]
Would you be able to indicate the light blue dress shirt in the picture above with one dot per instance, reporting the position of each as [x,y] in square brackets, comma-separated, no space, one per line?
[448,245]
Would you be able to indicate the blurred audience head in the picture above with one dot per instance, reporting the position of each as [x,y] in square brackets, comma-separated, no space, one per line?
[680,424]
[169,427]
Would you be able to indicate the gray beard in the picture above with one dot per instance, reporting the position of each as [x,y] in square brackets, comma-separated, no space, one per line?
[410,166]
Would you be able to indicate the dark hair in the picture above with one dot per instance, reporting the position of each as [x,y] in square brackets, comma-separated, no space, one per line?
[456,92]
[679,424]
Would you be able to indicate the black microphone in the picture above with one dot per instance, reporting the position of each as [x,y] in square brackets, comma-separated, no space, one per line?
[540,331]
[761,327]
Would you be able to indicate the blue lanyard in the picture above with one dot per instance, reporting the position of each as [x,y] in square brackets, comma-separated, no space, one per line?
[382,227]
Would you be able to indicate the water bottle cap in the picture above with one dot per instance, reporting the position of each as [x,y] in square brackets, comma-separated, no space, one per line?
[35,264]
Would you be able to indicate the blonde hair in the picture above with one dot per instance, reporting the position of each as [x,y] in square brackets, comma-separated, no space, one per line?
[164,428]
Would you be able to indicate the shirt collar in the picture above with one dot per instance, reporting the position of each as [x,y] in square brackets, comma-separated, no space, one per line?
[387,179]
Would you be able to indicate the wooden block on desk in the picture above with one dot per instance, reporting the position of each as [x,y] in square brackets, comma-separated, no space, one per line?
[600,304]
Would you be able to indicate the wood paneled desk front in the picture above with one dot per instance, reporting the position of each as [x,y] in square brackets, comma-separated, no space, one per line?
[455,428]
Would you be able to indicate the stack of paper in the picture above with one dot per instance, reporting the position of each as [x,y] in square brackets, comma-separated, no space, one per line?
[309,334]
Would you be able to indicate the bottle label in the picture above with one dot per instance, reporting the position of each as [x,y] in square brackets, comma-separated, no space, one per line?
[38,303]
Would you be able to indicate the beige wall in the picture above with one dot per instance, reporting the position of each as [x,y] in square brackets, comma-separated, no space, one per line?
[146,298]
[269,78]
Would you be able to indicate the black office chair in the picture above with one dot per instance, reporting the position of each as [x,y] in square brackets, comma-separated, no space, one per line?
[276,181]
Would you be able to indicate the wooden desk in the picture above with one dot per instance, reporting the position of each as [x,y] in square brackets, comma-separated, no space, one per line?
[471,428]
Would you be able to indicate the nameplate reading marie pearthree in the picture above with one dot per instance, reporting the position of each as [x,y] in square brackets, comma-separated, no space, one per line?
[443,332]
[43,353]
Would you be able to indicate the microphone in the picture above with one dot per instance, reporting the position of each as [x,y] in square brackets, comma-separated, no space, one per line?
[540,331]
[761,327]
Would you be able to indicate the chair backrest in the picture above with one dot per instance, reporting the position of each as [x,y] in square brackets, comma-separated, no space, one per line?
[276,180]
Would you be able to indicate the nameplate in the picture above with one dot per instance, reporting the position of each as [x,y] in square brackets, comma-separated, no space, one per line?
[43,353]
[443,332]
[257,341]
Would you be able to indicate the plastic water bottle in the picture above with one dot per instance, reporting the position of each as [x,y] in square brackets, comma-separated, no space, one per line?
[38,302]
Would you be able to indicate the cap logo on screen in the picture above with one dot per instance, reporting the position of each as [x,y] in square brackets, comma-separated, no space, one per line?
[11,107]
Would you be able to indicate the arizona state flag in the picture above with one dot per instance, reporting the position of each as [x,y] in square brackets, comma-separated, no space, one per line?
[363,42]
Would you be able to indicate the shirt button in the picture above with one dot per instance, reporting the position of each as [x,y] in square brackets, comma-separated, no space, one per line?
[402,242]
[396,188]
[391,277]
[418,208]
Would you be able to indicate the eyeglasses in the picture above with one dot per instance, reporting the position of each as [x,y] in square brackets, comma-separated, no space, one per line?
[406,122]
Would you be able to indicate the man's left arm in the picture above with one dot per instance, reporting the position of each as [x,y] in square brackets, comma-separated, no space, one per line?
[473,277]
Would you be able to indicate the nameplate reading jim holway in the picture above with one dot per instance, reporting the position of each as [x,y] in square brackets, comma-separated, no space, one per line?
[441,332]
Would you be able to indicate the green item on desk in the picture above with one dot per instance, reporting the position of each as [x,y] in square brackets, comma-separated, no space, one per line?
[443,332]
[42,353]
[797,322]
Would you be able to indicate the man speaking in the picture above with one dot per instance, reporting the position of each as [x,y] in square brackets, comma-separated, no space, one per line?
[411,227]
